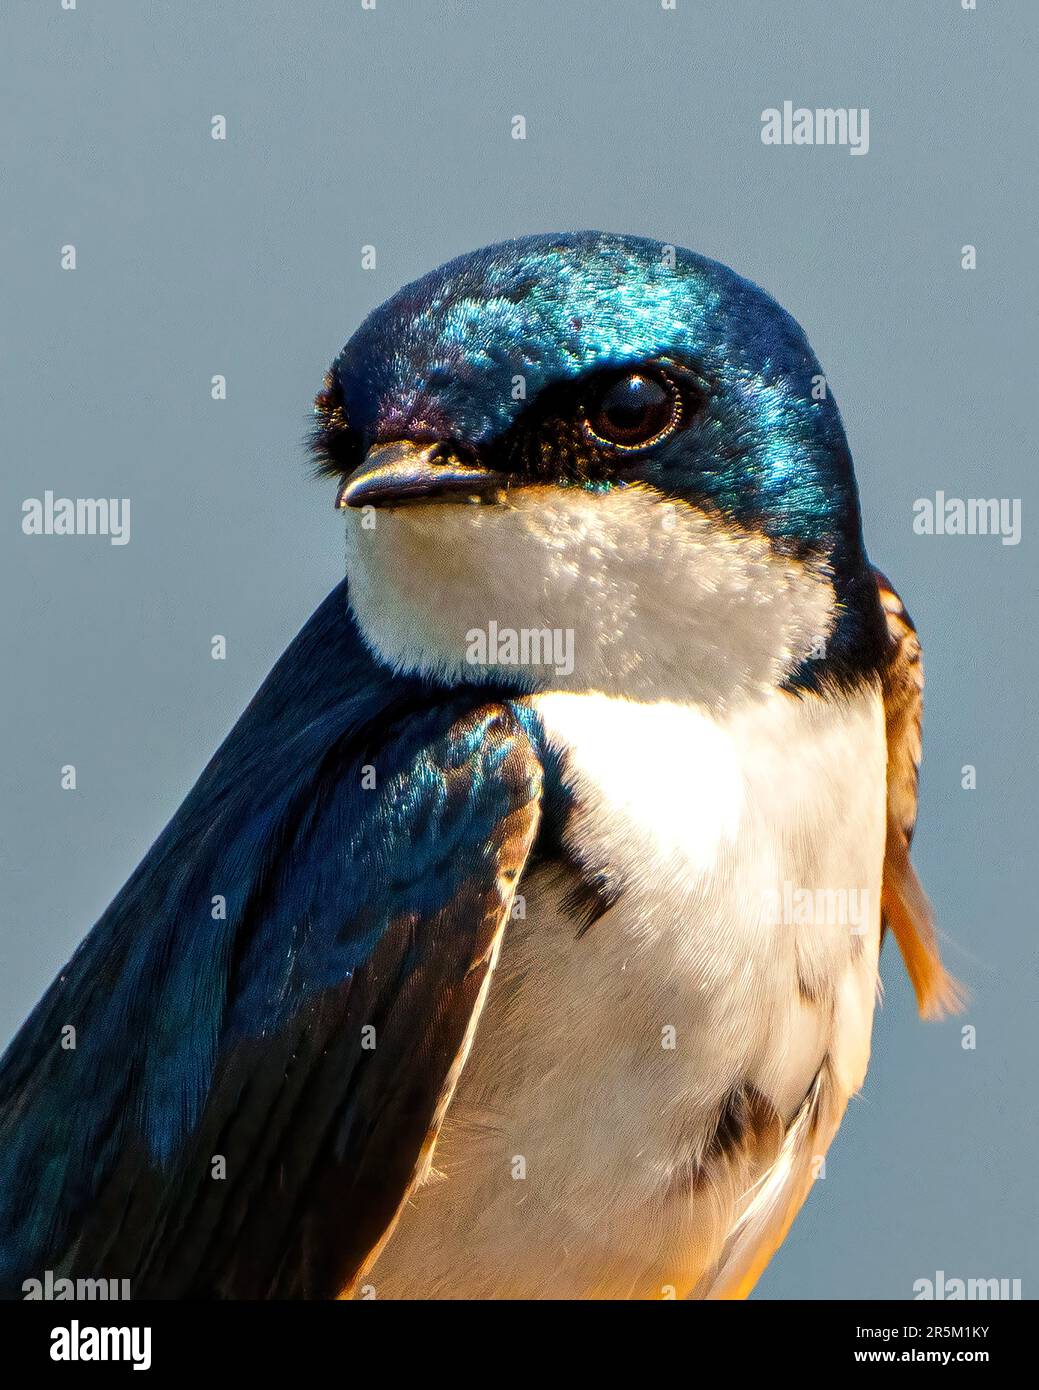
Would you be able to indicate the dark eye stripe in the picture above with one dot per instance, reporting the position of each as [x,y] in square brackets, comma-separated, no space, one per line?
[336,448]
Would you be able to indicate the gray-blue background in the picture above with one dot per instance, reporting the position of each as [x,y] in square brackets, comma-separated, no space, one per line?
[391,127]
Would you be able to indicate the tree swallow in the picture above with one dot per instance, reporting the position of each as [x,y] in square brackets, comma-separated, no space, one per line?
[521,940]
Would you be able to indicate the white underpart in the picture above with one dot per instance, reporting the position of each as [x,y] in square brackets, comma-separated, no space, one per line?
[662,600]
[700,821]
[707,796]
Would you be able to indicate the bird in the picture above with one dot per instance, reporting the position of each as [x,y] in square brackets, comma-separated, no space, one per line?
[521,940]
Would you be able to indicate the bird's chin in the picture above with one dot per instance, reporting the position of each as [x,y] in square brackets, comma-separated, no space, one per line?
[623,592]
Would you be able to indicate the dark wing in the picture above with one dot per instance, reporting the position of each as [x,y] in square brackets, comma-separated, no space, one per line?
[904,902]
[270,1018]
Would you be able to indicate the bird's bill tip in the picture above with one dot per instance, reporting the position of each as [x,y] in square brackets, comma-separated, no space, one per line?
[405,471]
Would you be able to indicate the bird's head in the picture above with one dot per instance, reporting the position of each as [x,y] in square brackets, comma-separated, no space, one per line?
[617,447]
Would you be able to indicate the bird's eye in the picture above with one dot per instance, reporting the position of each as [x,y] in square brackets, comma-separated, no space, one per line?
[632,411]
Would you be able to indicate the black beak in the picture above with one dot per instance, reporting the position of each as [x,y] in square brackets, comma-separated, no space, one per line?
[405,471]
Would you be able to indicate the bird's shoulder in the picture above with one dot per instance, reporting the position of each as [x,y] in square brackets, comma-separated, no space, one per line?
[343,866]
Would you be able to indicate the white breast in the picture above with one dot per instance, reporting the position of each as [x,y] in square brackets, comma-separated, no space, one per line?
[740,955]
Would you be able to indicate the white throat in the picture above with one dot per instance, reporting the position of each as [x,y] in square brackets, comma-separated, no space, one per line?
[622,592]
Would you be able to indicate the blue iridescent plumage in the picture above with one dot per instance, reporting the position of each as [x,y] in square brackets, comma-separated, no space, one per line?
[440,357]
[236,1032]
[316,869]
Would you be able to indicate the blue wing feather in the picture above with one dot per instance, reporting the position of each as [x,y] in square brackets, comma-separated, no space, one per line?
[345,905]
